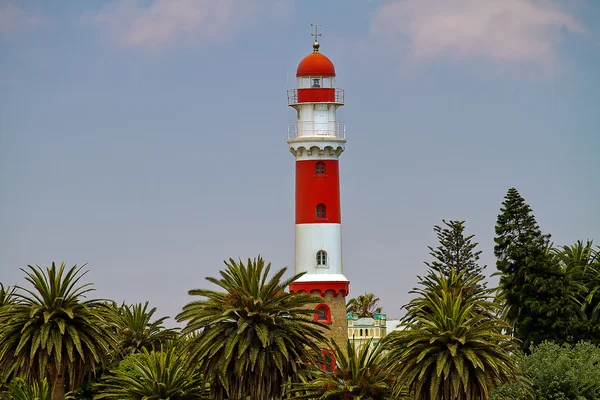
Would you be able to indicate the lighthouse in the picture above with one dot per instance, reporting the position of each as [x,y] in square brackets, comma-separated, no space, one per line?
[317,140]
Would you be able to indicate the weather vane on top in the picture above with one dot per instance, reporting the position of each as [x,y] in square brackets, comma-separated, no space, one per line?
[316,35]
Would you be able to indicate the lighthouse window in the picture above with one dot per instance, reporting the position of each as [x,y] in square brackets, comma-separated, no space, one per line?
[329,361]
[320,168]
[321,313]
[316,82]
[321,211]
[321,258]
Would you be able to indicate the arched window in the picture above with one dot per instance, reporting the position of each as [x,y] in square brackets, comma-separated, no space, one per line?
[360,334]
[323,314]
[320,168]
[321,258]
[328,360]
[321,214]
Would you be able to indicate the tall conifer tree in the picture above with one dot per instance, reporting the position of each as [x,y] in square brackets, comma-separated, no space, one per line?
[531,284]
[455,250]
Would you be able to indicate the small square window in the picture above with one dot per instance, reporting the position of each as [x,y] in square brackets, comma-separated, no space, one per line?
[320,168]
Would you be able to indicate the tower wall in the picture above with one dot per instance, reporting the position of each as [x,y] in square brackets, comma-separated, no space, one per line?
[311,238]
[338,330]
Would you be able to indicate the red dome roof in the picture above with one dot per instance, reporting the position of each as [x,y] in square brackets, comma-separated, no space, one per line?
[315,64]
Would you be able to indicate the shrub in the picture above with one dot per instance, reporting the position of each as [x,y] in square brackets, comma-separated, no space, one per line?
[556,373]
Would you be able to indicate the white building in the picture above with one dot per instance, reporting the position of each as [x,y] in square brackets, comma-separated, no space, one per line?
[363,330]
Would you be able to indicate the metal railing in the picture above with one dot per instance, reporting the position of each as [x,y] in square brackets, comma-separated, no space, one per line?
[335,130]
[338,98]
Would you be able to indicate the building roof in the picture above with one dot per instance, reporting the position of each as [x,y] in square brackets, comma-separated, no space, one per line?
[315,64]
[364,322]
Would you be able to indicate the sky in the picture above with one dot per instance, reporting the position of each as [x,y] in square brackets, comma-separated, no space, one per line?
[148,138]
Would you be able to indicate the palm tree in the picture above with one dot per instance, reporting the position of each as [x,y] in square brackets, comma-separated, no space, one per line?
[7,298]
[253,337]
[580,264]
[450,348]
[20,389]
[359,375]
[7,295]
[365,305]
[153,375]
[466,285]
[137,331]
[52,331]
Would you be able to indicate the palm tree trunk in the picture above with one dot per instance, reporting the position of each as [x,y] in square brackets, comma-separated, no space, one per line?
[58,386]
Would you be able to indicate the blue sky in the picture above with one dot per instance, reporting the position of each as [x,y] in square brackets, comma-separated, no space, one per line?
[147,138]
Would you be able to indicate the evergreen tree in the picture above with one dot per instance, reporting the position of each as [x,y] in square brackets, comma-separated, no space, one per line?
[455,251]
[532,286]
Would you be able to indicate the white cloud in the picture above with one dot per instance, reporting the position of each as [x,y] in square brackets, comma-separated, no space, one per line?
[502,31]
[165,22]
[13,18]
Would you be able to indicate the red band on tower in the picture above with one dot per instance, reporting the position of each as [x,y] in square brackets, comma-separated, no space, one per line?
[318,184]
[313,95]
[336,287]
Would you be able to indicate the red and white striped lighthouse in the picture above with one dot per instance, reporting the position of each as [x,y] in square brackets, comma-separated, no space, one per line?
[317,140]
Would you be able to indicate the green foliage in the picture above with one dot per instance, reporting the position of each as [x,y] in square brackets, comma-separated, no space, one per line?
[580,264]
[359,375]
[7,295]
[129,365]
[452,346]
[51,331]
[556,372]
[7,298]
[153,375]
[253,337]
[538,304]
[469,288]
[136,330]
[365,305]
[455,250]
[20,389]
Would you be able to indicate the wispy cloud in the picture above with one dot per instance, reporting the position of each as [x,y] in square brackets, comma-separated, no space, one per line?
[163,23]
[14,18]
[501,31]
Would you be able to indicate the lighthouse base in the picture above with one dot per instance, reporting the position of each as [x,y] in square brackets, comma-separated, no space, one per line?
[332,311]
[338,329]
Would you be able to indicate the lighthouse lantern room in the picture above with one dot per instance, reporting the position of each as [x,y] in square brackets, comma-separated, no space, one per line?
[317,140]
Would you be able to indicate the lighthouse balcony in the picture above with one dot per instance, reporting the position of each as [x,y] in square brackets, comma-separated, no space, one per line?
[325,130]
[315,95]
